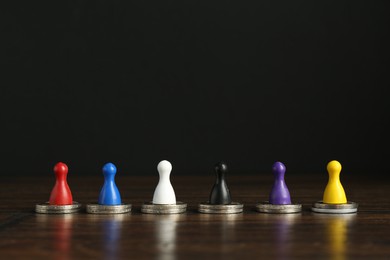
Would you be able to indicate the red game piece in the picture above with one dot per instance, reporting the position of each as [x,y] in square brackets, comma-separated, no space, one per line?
[61,201]
[61,194]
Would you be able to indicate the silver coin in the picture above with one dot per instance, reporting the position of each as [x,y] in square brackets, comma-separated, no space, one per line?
[46,208]
[334,211]
[232,208]
[267,207]
[349,207]
[151,208]
[108,209]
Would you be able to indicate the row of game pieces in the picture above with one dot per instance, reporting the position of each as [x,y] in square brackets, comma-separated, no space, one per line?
[164,198]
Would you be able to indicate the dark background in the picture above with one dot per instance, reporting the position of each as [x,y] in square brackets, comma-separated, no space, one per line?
[194,82]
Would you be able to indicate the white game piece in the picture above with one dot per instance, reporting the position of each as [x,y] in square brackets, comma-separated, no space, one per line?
[164,193]
[164,198]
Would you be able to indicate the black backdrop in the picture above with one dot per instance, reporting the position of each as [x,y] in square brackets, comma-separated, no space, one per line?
[194,82]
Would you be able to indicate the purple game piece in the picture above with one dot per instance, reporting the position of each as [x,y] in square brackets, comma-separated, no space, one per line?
[279,193]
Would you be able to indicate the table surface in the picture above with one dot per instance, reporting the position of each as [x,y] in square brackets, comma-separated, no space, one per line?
[192,235]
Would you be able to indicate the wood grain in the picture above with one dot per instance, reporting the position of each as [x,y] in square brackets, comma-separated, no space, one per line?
[251,235]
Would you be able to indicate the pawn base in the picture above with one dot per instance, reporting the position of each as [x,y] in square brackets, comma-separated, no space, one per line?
[232,208]
[346,208]
[108,209]
[150,208]
[266,207]
[46,208]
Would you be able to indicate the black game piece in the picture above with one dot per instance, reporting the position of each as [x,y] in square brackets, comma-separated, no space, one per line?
[220,194]
[220,201]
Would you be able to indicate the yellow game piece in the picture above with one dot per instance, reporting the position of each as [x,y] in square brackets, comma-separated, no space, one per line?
[334,192]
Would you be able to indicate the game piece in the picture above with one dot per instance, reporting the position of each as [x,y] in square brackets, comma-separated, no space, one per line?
[109,199]
[220,193]
[220,201]
[279,198]
[334,200]
[164,193]
[334,192]
[61,201]
[164,198]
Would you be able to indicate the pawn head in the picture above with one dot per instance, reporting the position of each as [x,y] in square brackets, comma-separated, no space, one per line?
[60,169]
[164,166]
[109,169]
[221,168]
[278,169]
[333,167]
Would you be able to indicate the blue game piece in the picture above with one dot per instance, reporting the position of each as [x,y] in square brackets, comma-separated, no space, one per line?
[109,194]
[109,199]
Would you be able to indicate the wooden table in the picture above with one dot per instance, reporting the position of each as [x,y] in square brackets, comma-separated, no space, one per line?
[250,235]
